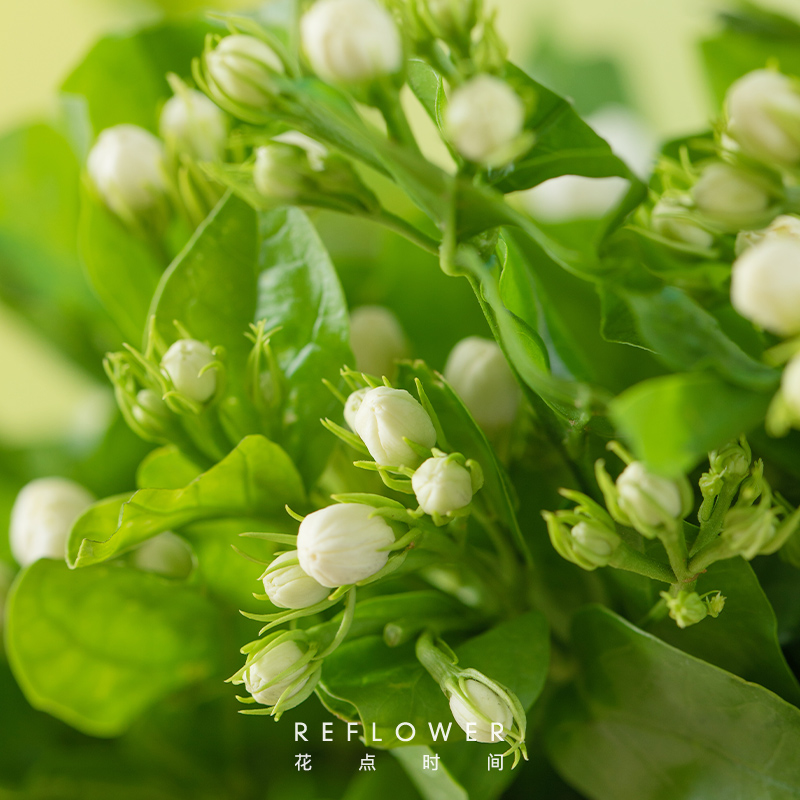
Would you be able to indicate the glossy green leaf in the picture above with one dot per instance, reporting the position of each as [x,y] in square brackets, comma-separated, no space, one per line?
[121,269]
[139,62]
[256,479]
[97,647]
[696,412]
[299,293]
[166,468]
[646,722]
[515,653]
[210,288]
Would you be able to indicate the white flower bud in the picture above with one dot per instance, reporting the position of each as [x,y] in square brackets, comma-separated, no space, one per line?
[150,411]
[764,116]
[194,125]
[730,197]
[42,516]
[290,587]
[479,373]
[166,554]
[483,118]
[647,497]
[388,416]
[594,544]
[377,340]
[790,386]
[784,225]
[240,70]
[765,285]
[343,544]
[351,40]
[316,152]
[280,171]
[351,407]
[442,485]
[126,165]
[673,221]
[259,676]
[477,708]
[183,363]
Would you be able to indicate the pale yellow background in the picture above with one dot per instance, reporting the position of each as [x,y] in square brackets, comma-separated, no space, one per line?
[654,41]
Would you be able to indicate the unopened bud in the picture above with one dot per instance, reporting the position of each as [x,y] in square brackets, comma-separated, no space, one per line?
[377,340]
[193,124]
[747,531]
[647,498]
[475,707]
[479,373]
[784,225]
[351,41]
[287,586]
[686,608]
[186,363]
[42,516]
[343,544]
[672,221]
[352,405]
[261,677]
[764,117]
[483,120]
[733,198]
[386,418]
[126,166]
[442,485]
[765,285]
[240,71]
[166,554]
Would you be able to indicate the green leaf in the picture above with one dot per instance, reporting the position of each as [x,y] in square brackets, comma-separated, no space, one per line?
[696,412]
[744,638]
[121,269]
[97,647]
[256,479]
[564,144]
[210,288]
[123,78]
[646,722]
[515,653]
[686,337]
[166,468]
[436,784]
[299,292]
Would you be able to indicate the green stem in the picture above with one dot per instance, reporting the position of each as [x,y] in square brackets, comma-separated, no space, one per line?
[405,229]
[715,551]
[711,528]
[675,544]
[435,662]
[344,627]
[633,561]
[387,101]
[655,614]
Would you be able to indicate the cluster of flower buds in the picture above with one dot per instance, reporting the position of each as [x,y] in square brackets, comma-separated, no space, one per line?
[484,709]
[42,517]
[164,392]
[689,608]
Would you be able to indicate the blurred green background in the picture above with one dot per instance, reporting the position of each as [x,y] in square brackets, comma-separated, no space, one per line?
[640,52]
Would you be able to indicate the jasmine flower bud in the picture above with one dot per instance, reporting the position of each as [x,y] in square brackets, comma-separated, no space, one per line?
[194,125]
[648,498]
[343,544]
[748,531]
[42,516]
[316,152]
[442,485]
[351,407]
[447,18]
[386,418]
[594,544]
[483,119]
[240,71]
[261,677]
[184,363]
[672,221]
[351,41]
[790,386]
[377,340]
[479,373]
[281,171]
[764,116]
[765,285]
[475,707]
[686,608]
[150,411]
[732,198]
[287,586]
[784,225]
[166,554]
[126,165]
